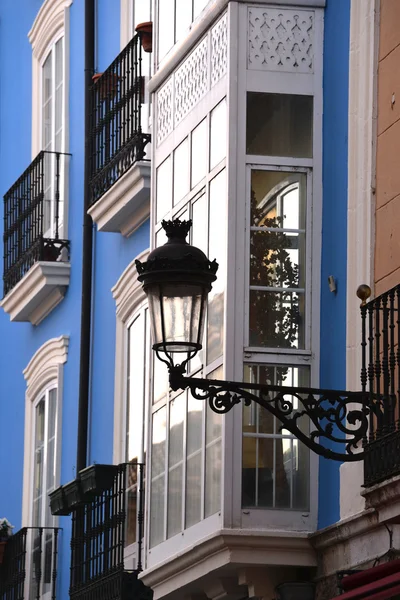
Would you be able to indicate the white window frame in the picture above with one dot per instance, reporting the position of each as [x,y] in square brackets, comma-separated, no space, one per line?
[44,371]
[130,299]
[42,395]
[51,24]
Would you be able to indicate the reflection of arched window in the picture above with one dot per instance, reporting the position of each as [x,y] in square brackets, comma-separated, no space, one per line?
[281,203]
[277,259]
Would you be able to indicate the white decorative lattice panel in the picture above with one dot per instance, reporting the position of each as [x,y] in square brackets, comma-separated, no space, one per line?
[219,50]
[191,81]
[280,40]
[164,111]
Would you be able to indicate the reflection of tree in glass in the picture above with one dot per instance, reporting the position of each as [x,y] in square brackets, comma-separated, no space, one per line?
[274,317]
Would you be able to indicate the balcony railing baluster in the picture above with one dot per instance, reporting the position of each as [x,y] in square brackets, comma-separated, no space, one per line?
[15,579]
[27,238]
[117,139]
[381,373]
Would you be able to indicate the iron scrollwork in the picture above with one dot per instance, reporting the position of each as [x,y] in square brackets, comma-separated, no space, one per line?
[336,417]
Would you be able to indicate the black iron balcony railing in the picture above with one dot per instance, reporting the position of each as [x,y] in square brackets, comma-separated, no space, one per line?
[99,503]
[380,378]
[117,139]
[29,567]
[33,218]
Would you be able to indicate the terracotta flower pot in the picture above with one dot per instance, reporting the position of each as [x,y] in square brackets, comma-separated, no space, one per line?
[145,30]
[108,84]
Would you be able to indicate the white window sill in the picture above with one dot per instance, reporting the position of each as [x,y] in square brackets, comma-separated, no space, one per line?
[126,205]
[40,290]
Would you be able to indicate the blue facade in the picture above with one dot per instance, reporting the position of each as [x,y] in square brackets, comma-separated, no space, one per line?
[334,230]
[113,253]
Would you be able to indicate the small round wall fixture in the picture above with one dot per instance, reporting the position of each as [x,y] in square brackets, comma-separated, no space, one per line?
[177,278]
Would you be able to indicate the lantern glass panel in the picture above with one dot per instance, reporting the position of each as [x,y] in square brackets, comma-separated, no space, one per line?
[177,315]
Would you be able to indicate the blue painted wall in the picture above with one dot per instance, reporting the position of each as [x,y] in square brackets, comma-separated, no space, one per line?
[334,229]
[112,255]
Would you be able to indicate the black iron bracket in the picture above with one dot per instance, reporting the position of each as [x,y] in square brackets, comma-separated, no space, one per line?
[339,418]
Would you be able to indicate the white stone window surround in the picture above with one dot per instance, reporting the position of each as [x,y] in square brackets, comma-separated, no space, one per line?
[130,299]
[45,369]
[50,24]
[200,76]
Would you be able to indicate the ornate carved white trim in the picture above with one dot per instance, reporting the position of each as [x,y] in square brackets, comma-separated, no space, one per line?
[43,366]
[128,295]
[219,50]
[190,82]
[128,292]
[164,111]
[40,290]
[49,20]
[280,39]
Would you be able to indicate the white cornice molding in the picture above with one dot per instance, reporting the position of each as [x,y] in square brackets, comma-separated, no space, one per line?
[49,20]
[126,205]
[40,290]
[229,547]
[44,365]
[128,292]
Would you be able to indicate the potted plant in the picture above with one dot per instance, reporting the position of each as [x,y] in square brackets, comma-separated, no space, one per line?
[73,494]
[97,478]
[58,502]
[145,31]
[5,532]
[107,84]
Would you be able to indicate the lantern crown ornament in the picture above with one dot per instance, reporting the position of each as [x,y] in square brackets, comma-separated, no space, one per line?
[177,278]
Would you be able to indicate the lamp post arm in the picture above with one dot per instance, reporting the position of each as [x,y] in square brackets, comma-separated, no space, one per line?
[334,416]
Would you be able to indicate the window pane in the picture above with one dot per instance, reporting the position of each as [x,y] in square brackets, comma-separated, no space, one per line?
[158,442]
[275,468]
[181,171]
[279,124]
[278,199]
[136,388]
[157,511]
[217,244]
[277,259]
[193,489]
[141,11]
[200,240]
[47,88]
[183,18]
[199,153]
[276,319]
[157,494]
[164,188]
[213,479]
[198,6]
[218,134]
[175,464]
[166,18]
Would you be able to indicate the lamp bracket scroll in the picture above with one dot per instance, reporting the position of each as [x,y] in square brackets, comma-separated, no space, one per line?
[337,417]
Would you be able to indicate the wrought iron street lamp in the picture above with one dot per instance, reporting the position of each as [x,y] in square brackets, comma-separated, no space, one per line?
[177,278]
